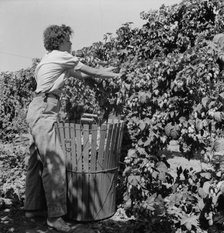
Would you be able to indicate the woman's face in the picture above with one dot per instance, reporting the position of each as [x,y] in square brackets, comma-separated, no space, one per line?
[66,45]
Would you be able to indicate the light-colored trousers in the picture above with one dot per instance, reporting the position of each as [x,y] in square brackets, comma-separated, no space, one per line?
[46,175]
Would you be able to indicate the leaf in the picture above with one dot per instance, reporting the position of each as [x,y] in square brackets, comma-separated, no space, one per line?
[127,171]
[219,174]
[205,101]
[206,187]
[147,121]
[152,198]
[172,114]
[163,139]
[140,142]
[142,97]
[202,193]
[147,142]
[142,125]
[221,95]
[217,116]
[198,108]
[206,175]
[128,204]
[188,225]
[192,220]
[201,204]
[155,174]
[134,180]
[199,124]
[211,104]
[132,153]
[220,186]
[182,119]
[162,168]
[219,145]
[162,176]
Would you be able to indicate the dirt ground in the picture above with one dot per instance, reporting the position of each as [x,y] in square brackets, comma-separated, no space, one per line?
[13,220]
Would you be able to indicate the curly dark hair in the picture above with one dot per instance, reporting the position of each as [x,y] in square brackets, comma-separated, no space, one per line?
[55,35]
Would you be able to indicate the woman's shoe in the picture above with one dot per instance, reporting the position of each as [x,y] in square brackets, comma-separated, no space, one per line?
[59,225]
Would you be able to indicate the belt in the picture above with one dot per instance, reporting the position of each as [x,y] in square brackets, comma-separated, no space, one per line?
[46,95]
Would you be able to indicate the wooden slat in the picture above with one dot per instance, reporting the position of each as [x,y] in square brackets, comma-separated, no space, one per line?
[78,147]
[86,150]
[120,143]
[109,176]
[92,179]
[113,162]
[113,155]
[117,150]
[110,152]
[106,177]
[72,185]
[93,148]
[86,147]
[62,136]
[105,181]
[116,164]
[73,147]
[108,144]
[103,129]
[79,169]
[67,152]
[118,137]
[99,176]
[67,144]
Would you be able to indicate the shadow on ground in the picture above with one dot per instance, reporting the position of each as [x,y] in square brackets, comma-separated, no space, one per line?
[13,220]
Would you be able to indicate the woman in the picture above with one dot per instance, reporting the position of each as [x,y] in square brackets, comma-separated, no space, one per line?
[46,180]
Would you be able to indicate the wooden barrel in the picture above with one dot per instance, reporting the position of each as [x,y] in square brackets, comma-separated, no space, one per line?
[92,159]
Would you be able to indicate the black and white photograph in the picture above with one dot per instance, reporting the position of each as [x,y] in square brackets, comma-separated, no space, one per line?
[112,116]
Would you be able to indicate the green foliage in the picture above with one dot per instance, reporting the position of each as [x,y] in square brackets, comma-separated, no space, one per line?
[186,197]
[16,94]
[170,88]
[12,176]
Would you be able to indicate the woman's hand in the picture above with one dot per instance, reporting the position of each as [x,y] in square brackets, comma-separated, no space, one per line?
[111,68]
[107,72]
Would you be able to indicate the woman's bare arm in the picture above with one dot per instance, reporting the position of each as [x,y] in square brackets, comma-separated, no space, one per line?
[85,71]
[79,75]
[98,72]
